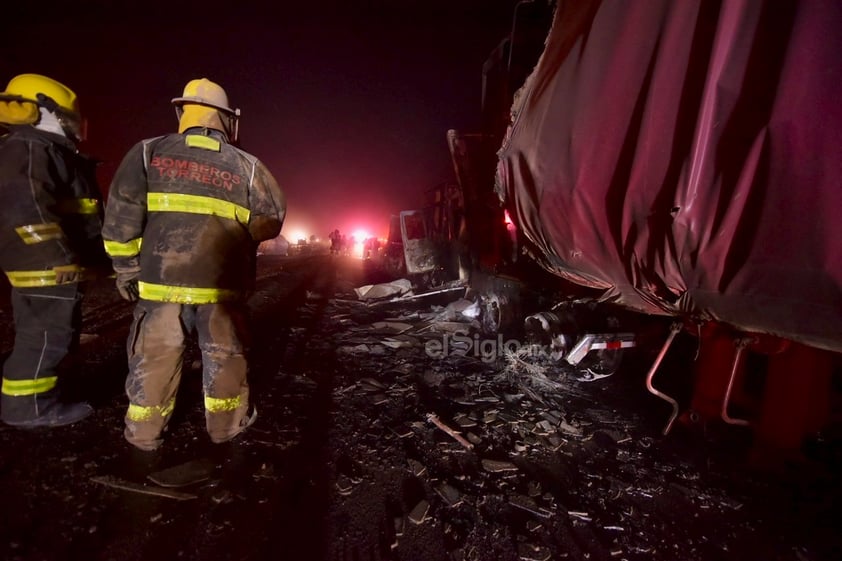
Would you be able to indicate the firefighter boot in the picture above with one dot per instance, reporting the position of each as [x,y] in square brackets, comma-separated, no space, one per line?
[56,415]
[143,436]
[218,436]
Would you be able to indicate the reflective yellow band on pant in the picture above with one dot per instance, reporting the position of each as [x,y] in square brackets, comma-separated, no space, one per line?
[185,294]
[141,413]
[196,204]
[206,142]
[120,249]
[37,233]
[219,405]
[28,387]
[78,206]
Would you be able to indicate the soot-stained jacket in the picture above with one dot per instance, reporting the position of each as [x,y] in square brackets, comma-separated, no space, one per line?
[190,210]
[50,209]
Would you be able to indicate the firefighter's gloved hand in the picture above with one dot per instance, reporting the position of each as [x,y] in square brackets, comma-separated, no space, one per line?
[67,274]
[127,286]
[127,270]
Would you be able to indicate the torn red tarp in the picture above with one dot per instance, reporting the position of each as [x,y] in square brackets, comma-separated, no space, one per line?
[686,159]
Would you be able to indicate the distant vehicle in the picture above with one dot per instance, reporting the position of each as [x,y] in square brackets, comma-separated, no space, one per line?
[428,243]
[276,246]
[394,259]
[302,246]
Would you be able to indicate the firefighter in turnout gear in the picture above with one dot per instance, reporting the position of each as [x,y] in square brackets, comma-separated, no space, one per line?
[50,222]
[184,217]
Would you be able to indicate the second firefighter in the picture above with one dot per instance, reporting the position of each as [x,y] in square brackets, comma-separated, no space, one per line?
[185,214]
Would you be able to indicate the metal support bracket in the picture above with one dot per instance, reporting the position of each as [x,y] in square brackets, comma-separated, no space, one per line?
[741,344]
[674,329]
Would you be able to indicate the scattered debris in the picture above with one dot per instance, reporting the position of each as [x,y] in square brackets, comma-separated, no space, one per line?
[397,343]
[361,349]
[396,327]
[464,421]
[416,468]
[524,403]
[529,505]
[567,428]
[533,526]
[401,430]
[458,309]
[450,494]
[532,552]
[182,475]
[344,485]
[496,466]
[399,523]
[222,496]
[111,481]
[456,436]
[379,291]
[419,512]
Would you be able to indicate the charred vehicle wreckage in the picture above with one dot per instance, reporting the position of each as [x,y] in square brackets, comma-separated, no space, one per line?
[656,172]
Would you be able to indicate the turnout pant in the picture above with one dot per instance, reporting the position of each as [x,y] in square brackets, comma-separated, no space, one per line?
[47,322]
[156,352]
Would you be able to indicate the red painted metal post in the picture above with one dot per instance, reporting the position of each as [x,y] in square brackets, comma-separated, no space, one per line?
[796,399]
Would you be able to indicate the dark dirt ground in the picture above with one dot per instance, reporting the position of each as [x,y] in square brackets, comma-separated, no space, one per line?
[343,462]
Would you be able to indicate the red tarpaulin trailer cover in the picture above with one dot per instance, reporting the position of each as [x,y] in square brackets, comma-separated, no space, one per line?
[686,159]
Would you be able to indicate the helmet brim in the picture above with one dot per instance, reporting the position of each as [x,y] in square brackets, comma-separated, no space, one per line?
[179,101]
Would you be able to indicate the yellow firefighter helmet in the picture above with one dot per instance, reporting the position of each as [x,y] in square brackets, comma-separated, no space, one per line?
[26,93]
[205,104]
[204,92]
[43,91]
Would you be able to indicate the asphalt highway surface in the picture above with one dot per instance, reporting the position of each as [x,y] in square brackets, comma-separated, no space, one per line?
[367,447]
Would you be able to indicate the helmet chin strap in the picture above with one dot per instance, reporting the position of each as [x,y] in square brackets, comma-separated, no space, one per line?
[232,128]
[51,113]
